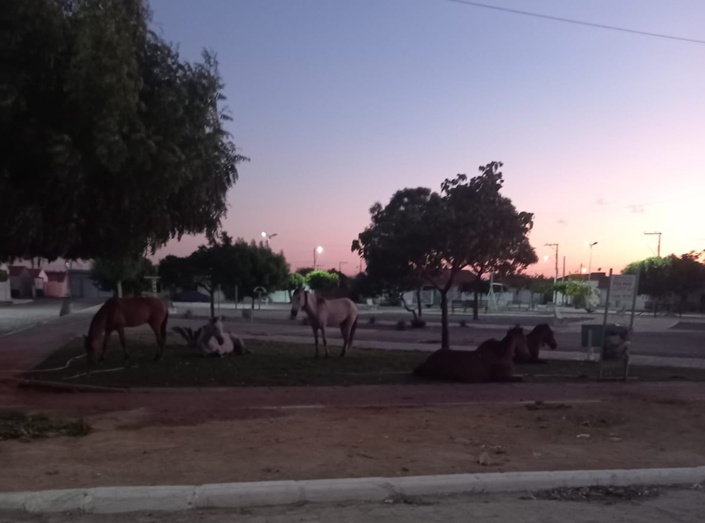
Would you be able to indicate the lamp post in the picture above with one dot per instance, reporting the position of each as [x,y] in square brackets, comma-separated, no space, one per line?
[318,250]
[590,260]
[268,237]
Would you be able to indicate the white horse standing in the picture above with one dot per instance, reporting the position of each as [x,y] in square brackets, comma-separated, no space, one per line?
[321,313]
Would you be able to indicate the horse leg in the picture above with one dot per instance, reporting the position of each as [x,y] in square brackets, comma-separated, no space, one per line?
[121,335]
[161,340]
[315,338]
[325,341]
[106,337]
[345,331]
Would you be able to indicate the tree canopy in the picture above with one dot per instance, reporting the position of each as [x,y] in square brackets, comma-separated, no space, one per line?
[665,278]
[112,143]
[227,265]
[421,235]
[123,276]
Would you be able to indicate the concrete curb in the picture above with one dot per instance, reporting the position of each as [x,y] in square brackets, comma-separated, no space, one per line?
[268,493]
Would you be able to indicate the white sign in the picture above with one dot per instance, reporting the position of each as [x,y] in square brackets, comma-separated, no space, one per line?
[622,288]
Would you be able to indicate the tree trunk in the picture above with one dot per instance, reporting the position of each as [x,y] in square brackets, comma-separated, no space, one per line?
[212,296]
[118,289]
[406,306]
[418,301]
[445,337]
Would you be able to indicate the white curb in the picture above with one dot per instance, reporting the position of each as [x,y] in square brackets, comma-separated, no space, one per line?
[254,494]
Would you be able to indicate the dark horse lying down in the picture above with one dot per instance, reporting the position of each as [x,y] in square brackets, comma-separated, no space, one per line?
[540,336]
[491,361]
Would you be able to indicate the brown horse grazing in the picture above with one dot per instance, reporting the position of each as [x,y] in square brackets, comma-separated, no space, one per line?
[118,313]
[540,335]
[491,361]
[321,313]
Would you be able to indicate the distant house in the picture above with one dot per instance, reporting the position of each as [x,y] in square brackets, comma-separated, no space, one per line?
[40,279]
[5,295]
[82,286]
[21,282]
[56,285]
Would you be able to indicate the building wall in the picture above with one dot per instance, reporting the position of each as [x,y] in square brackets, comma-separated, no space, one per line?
[82,286]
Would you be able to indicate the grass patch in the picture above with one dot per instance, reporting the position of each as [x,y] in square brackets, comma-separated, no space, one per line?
[26,427]
[291,364]
[270,364]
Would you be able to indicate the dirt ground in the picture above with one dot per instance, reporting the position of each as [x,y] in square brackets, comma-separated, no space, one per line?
[166,445]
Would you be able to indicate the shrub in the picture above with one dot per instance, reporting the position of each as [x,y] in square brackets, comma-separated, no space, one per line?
[418,323]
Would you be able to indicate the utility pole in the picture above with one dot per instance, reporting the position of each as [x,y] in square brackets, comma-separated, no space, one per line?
[555,276]
[658,249]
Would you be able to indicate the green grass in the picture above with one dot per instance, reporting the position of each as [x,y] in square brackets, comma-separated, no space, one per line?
[288,364]
[26,427]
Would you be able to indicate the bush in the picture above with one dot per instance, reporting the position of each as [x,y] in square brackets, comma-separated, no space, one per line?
[401,325]
[418,323]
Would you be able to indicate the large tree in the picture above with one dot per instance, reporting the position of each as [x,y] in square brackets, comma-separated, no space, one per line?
[469,224]
[112,143]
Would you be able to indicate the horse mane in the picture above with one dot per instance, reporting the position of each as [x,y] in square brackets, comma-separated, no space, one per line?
[97,325]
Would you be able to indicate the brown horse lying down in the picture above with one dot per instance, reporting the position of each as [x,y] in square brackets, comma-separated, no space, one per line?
[540,335]
[491,361]
[118,313]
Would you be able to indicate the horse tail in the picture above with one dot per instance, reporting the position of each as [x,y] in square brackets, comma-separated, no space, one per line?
[352,331]
[162,327]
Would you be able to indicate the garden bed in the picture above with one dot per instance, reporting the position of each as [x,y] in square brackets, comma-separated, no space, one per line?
[287,364]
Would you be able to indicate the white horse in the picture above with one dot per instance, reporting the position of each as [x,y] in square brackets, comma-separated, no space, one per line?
[213,340]
[341,312]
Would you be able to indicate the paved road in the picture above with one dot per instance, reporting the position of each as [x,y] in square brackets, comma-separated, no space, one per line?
[19,316]
[683,506]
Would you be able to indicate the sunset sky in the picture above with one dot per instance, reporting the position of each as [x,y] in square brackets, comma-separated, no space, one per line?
[341,103]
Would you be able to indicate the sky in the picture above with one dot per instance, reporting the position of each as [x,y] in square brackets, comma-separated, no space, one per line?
[340,103]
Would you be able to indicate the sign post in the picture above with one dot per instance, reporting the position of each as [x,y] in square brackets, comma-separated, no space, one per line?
[622,293]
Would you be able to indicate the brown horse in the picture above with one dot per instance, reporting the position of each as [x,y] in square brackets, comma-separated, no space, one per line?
[540,336]
[491,361]
[324,313]
[118,313]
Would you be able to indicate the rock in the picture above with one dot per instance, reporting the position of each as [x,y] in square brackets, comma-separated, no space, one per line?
[484,458]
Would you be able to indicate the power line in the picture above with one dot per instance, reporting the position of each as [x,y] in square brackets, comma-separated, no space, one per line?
[578,22]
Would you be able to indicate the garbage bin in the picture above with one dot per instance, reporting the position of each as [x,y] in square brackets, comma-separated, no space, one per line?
[591,335]
[616,345]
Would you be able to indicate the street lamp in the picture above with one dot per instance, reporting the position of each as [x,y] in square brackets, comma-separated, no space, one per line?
[268,237]
[316,251]
[555,277]
[590,260]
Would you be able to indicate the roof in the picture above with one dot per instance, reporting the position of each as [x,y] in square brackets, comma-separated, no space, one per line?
[57,276]
[17,270]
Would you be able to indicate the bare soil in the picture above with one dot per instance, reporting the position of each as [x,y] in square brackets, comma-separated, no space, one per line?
[156,445]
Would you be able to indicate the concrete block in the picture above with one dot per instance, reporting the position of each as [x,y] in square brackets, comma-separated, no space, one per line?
[254,494]
[352,489]
[108,500]
[67,500]
[13,500]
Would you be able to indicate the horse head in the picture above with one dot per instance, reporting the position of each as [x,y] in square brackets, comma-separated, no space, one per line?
[547,337]
[517,339]
[91,346]
[215,328]
[298,301]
